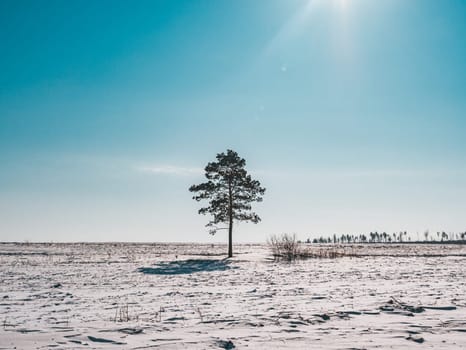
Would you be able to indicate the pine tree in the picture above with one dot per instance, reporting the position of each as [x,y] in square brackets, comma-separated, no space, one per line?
[230,191]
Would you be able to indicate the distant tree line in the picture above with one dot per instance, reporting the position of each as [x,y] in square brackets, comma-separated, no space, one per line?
[383,237]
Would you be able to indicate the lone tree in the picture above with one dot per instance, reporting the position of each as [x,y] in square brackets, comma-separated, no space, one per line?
[230,191]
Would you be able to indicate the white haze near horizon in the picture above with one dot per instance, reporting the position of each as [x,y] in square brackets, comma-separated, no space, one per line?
[154,204]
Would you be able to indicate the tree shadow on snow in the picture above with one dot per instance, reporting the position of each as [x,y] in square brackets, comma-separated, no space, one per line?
[180,267]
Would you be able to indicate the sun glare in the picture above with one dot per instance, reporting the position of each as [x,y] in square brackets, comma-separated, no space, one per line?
[337,4]
[298,23]
[341,4]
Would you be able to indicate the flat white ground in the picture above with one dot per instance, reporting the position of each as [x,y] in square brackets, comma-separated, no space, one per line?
[184,296]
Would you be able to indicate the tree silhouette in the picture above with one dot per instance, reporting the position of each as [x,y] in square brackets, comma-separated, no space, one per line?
[230,191]
[444,236]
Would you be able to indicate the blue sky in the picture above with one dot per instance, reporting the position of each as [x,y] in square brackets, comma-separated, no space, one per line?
[352,113]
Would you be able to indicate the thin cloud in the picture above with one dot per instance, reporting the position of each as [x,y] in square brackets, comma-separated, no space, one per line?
[173,170]
[170,170]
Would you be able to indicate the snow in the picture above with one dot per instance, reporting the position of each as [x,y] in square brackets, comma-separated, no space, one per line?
[188,296]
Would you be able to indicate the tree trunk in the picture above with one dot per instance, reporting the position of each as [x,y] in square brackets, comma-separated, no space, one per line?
[230,238]
[230,226]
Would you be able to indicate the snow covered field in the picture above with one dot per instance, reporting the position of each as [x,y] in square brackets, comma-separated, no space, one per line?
[185,296]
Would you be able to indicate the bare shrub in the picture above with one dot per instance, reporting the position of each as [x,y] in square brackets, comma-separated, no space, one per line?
[122,314]
[284,246]
[327,252]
